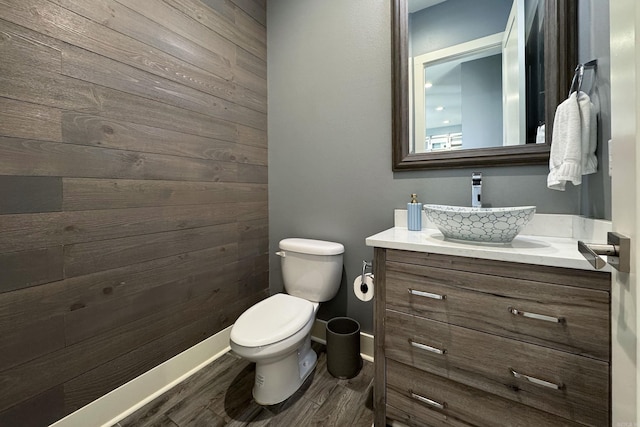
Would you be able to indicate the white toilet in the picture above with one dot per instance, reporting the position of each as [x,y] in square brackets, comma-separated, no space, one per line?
[276,332]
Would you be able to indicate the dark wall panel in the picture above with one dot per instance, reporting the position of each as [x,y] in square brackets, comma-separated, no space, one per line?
[29,268]
[37,411]
[133,189]
[27,194]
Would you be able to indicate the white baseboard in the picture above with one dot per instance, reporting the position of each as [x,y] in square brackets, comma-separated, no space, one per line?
[319,334]
[123,401]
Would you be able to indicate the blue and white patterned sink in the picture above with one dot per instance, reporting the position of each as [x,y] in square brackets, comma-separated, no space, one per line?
[495,225]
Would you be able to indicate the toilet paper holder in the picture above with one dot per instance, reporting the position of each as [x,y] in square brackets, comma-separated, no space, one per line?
[365,265]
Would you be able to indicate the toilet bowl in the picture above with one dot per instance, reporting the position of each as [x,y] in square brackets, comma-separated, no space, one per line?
[276,336]
[275,333]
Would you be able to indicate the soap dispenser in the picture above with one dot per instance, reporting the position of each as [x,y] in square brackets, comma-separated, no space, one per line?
[414,214]
[476,190]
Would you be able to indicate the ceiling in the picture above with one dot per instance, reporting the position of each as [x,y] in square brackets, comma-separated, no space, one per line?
[415,5]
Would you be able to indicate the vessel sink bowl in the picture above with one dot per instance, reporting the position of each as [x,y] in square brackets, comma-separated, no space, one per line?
[494,225]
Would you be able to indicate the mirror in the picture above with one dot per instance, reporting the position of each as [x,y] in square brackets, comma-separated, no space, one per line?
[441,82]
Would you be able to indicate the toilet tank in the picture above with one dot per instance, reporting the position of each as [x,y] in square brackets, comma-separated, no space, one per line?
[311,269]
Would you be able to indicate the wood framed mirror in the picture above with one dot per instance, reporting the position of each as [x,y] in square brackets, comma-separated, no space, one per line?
[560,52]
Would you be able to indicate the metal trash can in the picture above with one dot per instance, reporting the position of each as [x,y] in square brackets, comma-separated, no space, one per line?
[343,347]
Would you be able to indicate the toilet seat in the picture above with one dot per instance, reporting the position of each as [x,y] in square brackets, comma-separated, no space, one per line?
[271,320]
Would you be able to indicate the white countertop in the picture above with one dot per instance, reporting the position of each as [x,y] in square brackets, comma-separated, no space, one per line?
[527,249]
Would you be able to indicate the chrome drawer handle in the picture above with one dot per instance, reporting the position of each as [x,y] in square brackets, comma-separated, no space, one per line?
[427,347]
[426,294]
[537,316]
[430,402]
[537,381]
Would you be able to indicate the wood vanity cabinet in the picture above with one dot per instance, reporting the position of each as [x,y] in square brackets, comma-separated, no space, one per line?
[466,341]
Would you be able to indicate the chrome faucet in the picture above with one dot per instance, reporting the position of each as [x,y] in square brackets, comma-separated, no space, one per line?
[476,189]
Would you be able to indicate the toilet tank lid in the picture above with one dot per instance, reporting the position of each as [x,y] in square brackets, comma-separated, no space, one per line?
[311,247]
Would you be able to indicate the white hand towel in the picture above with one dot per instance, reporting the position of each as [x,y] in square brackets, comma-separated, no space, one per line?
[573,142]
[589,135]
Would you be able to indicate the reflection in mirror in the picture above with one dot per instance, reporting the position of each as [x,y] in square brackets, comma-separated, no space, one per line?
[482,79]
[462,81]
[471,88]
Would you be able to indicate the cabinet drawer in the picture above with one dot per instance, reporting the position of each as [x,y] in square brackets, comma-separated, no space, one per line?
[538,273]
[562,317]
[570,386]
[417,393]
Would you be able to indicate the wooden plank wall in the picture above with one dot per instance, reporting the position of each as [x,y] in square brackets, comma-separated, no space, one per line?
[133,189]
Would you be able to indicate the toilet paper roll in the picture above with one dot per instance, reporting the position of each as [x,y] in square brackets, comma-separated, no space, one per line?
[364,291]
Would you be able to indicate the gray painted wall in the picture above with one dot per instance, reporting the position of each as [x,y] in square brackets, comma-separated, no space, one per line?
[593,43]
[329,79]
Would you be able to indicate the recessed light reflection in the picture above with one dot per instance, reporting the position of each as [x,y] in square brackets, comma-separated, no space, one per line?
[427,85]
[439,108]
[446,122]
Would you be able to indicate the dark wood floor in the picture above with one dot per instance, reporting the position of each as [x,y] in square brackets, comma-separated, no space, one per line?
[220,395]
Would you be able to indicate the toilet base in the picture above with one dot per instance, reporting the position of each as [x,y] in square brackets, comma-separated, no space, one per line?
[278,380]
